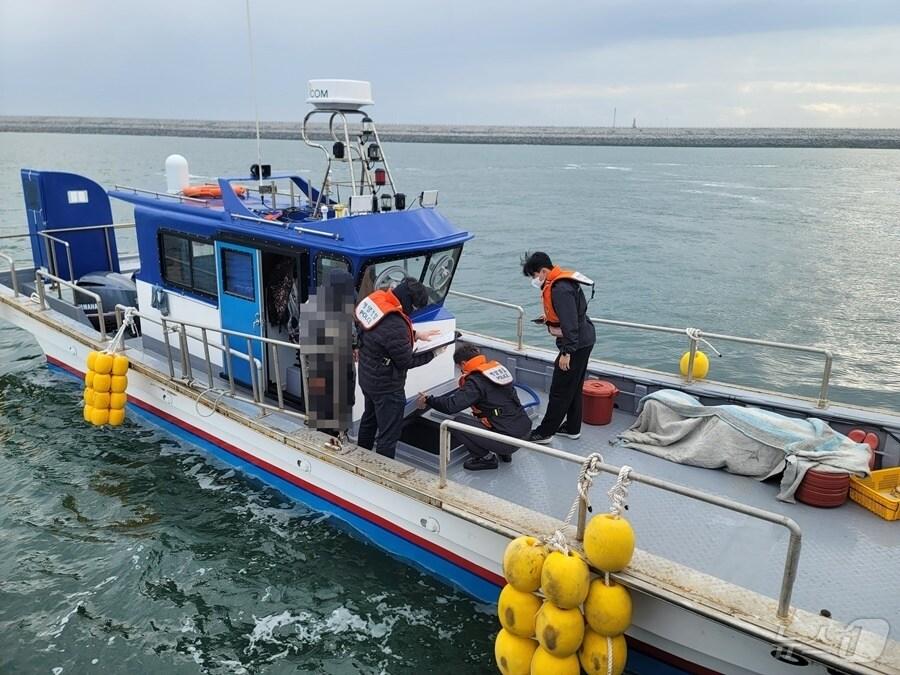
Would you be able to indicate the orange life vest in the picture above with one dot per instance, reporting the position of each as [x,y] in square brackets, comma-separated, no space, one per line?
[550,317]
[493,371]
[378,305]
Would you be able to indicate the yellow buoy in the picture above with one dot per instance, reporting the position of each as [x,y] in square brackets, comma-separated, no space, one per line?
[88,413]
[609,542]
[89,397]
[118,401]
[99,416]
[513,653]
[517,610]
[701,364]
[116,417]
[120,364]
[607,608]
[559,631]
[118,384]
[522,563]
[103,363]
[89,378]
[593,654]
[565,579]
[101,399]
[544,663]
[92,360]
[102,382]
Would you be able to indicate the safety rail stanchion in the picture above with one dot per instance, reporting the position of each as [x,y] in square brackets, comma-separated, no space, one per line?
[12,273]
[520,321]
[187,372]
[793,552]
[165,332]
[229,365]
[40,275]
[251,364]
[277,367]
[209,370]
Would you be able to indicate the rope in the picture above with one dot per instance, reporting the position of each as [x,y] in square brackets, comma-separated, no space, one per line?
[589,469]
[609,656]
[215,403]
[118,341]
[619,492]
[695,333]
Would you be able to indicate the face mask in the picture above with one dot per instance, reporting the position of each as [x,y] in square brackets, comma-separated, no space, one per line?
[537,283]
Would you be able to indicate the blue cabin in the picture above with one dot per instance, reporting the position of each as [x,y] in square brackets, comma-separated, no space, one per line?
[248,253]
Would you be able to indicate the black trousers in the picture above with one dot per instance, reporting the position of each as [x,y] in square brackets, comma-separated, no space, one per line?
[564,402]
[476,445]
[383,414]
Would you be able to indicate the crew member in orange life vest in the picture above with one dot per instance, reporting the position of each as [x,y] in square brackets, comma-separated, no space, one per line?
[487,388]
[386,344]
[565,315]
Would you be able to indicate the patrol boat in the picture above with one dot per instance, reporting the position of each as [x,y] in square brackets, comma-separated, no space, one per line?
[208,314]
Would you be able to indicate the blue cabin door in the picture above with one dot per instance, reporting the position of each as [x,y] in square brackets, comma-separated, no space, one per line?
[240,307]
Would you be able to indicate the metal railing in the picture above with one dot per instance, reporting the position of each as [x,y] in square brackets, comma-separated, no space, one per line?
[792,558]
[41,275]
[49,240]
[12,273]
[158,195]
[695,336]
[229,353]
[520,320]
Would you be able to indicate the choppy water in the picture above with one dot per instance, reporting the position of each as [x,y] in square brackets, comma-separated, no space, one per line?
[129,551]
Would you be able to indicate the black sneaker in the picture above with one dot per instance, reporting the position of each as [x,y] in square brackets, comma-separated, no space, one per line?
[480,463]
[542,439]
[569,434]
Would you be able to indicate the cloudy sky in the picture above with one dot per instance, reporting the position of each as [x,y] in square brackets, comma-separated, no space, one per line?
[830,63]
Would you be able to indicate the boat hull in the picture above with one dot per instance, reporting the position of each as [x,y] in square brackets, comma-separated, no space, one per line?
[453,546]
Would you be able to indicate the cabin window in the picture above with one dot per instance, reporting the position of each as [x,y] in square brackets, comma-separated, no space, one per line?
[188,263]
[237,274]
[326,263]
[434,269]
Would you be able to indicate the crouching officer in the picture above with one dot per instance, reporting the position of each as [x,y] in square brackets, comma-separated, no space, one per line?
[487,388]
[386,344]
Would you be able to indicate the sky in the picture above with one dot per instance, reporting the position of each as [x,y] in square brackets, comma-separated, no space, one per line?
[725,63]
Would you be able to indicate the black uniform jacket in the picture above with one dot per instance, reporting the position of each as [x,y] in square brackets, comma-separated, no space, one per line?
[570,306]
[498,402]
[385,354]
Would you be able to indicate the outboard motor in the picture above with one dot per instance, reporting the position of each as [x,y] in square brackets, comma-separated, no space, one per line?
[113,288]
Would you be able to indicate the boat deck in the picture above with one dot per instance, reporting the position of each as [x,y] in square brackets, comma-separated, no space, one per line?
[844,554]
[845,551]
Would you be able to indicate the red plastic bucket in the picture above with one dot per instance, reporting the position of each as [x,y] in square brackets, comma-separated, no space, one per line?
[599,396]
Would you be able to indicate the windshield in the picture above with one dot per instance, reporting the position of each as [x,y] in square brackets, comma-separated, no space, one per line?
[434,269]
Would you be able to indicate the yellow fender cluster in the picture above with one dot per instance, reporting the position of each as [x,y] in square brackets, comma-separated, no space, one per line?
[104,388]
[609,546]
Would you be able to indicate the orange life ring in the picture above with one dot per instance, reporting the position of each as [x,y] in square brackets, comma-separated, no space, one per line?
[211,191]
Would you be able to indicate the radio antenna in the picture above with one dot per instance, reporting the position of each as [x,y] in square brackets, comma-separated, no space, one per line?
[255,101]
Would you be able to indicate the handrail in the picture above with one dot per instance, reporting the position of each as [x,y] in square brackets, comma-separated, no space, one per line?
[40,275]
[695,335]
[52,251]
[792,559]
[179,326]
[12,273]
[181,198]
[520,321]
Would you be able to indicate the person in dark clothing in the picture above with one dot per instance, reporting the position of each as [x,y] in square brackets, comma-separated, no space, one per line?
[328,322]
[386,342]
[565,315]
[487,388]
